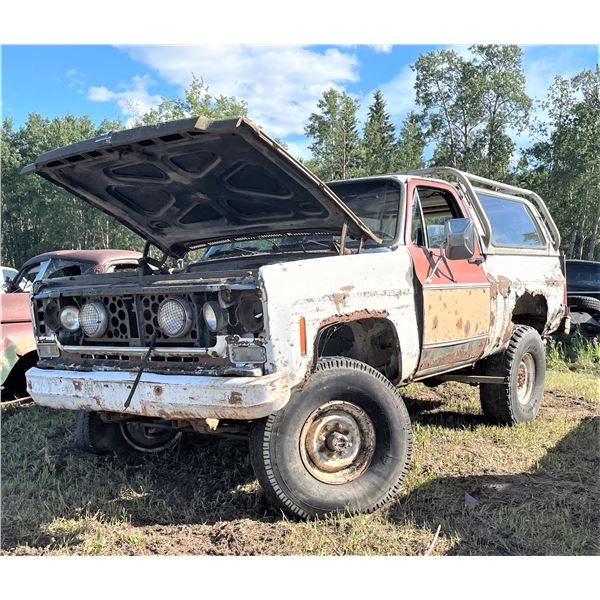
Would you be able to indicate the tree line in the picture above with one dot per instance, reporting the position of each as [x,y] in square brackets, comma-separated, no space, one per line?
[468,111]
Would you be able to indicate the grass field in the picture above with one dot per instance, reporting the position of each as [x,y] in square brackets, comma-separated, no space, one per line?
[531,489]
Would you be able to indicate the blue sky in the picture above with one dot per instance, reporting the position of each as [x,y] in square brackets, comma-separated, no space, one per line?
[280,83]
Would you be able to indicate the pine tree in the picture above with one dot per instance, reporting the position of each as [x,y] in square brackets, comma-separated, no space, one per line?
[334,129]
[378,138]
[410,146]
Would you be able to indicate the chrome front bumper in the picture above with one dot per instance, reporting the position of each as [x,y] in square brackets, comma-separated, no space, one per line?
[164,396]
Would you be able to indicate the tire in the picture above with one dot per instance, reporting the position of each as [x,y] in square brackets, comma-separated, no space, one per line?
[303,455]
[93,435]
[523,364]
[584,304]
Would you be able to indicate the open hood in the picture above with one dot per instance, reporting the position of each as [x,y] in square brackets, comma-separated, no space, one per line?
[192,181]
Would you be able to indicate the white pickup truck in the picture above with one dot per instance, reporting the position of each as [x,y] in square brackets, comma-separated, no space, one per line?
[310,308]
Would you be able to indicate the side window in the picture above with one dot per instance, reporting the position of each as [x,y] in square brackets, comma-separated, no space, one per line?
[512,223]
[438,206]
[122,268]
[417,228]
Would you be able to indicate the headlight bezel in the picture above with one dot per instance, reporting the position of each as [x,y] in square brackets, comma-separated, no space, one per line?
[251,320]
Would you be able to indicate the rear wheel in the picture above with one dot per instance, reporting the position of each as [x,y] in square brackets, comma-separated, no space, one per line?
[341,444]
[523,364]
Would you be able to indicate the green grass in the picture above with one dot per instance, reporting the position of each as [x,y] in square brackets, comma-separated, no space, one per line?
[577,354]
[537,487]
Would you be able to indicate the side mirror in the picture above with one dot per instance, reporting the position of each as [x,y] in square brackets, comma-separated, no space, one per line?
[460,239]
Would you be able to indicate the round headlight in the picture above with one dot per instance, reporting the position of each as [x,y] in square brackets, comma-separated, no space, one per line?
[214,316]
[93,318]
[69,318]
[175,317]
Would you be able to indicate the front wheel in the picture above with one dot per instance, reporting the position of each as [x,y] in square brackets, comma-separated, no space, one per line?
[342,444]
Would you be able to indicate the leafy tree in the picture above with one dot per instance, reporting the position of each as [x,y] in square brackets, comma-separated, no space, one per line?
[197,101]
[378,138]
[410,145]
[565,164]
[469,106]
[336,147]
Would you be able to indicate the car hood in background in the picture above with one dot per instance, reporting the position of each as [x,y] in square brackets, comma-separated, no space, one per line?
[194,181]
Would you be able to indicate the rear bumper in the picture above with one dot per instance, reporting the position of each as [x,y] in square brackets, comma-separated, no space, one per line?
[164,396]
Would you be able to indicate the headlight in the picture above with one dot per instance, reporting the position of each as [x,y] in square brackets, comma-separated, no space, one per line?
[93,318]
[175,317]
[69,318]
[214,316]
[250,313]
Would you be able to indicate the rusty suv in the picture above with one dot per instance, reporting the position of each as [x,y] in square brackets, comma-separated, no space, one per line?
[302,309]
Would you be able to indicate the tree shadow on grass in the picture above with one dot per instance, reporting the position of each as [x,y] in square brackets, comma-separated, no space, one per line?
[552,510]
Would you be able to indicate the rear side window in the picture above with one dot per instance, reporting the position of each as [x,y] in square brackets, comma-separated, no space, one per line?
[512,223]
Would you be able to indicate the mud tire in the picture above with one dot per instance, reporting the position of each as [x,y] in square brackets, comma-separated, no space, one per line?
[276,450]
[500,402]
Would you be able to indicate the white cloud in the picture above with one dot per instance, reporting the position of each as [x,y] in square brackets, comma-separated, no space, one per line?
[132,99]
[399,93]
[299,148]
[281,84]
[382,48]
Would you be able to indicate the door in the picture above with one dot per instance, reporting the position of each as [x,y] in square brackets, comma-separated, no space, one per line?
[453,295]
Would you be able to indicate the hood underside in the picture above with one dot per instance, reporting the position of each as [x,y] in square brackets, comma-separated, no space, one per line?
[194,181]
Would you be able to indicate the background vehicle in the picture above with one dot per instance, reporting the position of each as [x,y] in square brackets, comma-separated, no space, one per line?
[318,300]
[8,273]
[16,331]
[583,296]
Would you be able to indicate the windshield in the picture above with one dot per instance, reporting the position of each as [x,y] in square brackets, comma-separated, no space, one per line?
[375,202]
[50,269]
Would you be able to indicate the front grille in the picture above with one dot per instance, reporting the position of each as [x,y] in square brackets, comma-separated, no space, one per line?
[133,320]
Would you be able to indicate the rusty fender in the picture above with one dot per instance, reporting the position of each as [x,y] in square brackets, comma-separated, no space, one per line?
[163,396]
[331,290]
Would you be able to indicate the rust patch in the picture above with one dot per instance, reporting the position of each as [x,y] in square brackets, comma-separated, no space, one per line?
[459,324]
[354,316]
[347,288]
[339,300]
[467,327]
[438,358]
[435,322]
[235,398]
[158,390]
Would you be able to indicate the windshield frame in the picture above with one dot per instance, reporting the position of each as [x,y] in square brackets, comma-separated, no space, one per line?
[352,243]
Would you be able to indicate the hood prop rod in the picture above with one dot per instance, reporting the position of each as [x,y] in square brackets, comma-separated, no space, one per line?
[141,370]
[343,238]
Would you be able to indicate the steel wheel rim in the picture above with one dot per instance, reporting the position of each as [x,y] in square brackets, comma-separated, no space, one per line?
[337,442]
[147,438]
[525,378]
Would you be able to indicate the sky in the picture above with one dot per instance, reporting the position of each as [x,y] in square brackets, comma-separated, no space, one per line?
[281,84]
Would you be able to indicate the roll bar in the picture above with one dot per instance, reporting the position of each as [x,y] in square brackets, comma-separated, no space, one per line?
[466,181]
